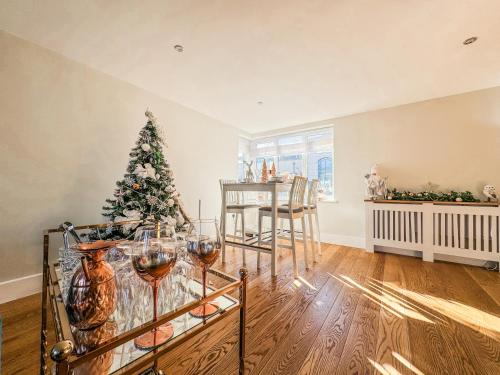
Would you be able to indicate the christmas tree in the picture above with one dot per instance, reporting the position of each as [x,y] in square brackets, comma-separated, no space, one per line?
[147,191]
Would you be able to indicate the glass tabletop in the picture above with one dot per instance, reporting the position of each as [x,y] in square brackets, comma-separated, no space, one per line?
[134,307]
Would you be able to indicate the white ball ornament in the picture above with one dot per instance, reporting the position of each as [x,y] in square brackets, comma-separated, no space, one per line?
[146,147]
[180,220]
[171,221]
[170,202]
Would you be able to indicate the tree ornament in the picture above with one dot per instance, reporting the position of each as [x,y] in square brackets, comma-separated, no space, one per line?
[146,147]
[150,116]
[263,176]
[180,220]
[136,186]
[152,199]
[150,171]
[170,202]
[129,215]
[140,171]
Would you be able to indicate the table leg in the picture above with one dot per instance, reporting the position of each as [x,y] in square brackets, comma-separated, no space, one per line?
[223,224]
[243,311]
[274,234]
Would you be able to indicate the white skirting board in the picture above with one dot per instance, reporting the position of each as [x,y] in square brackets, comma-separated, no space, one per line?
[339,239]
[20,287]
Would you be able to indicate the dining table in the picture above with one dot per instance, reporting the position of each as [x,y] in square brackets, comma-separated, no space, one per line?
[273,189]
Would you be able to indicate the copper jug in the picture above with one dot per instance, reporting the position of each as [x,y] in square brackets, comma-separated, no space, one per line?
[87,341]
[92,291]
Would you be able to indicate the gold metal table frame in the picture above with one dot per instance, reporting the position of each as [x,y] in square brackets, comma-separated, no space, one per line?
[66,359]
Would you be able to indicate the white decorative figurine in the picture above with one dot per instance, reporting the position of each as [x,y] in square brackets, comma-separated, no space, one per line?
[490,193]
[249,175]
[376,186]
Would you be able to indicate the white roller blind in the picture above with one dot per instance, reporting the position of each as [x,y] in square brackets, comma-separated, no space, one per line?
[320,141]
[291,144]
[264,147]
[295,143]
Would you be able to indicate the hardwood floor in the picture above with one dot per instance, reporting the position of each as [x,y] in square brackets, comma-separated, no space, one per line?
[352,313]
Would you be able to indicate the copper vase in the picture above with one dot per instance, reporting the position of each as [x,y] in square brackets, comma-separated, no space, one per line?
[92,291]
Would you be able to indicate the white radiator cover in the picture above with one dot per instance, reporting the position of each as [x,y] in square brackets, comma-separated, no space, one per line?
[461,230]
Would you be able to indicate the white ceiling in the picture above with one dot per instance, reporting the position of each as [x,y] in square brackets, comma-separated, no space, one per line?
[307,60]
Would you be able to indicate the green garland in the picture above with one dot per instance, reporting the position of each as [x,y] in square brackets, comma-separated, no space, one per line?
[452,196]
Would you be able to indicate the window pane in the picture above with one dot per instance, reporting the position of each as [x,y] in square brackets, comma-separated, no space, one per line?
[319,166]
[241,170]
[291,164]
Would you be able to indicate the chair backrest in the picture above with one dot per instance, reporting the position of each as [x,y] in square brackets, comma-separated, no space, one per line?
[296,197]
[312,196]
[232,197]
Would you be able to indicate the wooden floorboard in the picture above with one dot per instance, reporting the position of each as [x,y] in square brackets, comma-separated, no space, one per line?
[352,313]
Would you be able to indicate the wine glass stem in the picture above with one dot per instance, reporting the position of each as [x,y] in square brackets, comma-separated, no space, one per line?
[155,300]
[204,280]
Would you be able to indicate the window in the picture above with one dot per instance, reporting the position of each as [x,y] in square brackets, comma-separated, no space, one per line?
[307,154]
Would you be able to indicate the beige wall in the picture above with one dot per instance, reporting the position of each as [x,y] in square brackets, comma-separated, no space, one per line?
[453,142]
[66,131]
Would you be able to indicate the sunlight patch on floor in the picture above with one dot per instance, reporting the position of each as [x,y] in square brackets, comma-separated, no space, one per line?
[407,363]
[339,279]
[390,303]
[392,290]
[384,307]
[464,314]
[385,369]
[300,281]
[307,283]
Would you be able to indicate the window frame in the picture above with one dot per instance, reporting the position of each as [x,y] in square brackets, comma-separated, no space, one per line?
[276,146]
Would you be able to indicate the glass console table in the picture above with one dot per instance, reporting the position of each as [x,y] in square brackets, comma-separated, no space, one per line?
[109,348]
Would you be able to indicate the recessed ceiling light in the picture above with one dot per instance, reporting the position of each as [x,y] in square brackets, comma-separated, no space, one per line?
[179,48]
[470,40]
[260,102]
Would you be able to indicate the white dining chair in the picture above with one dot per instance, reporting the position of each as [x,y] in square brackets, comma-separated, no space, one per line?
[292,211]
[235,205]
[311,211]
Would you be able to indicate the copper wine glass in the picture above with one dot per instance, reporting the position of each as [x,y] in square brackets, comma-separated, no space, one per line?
[203,244]
[153,256]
